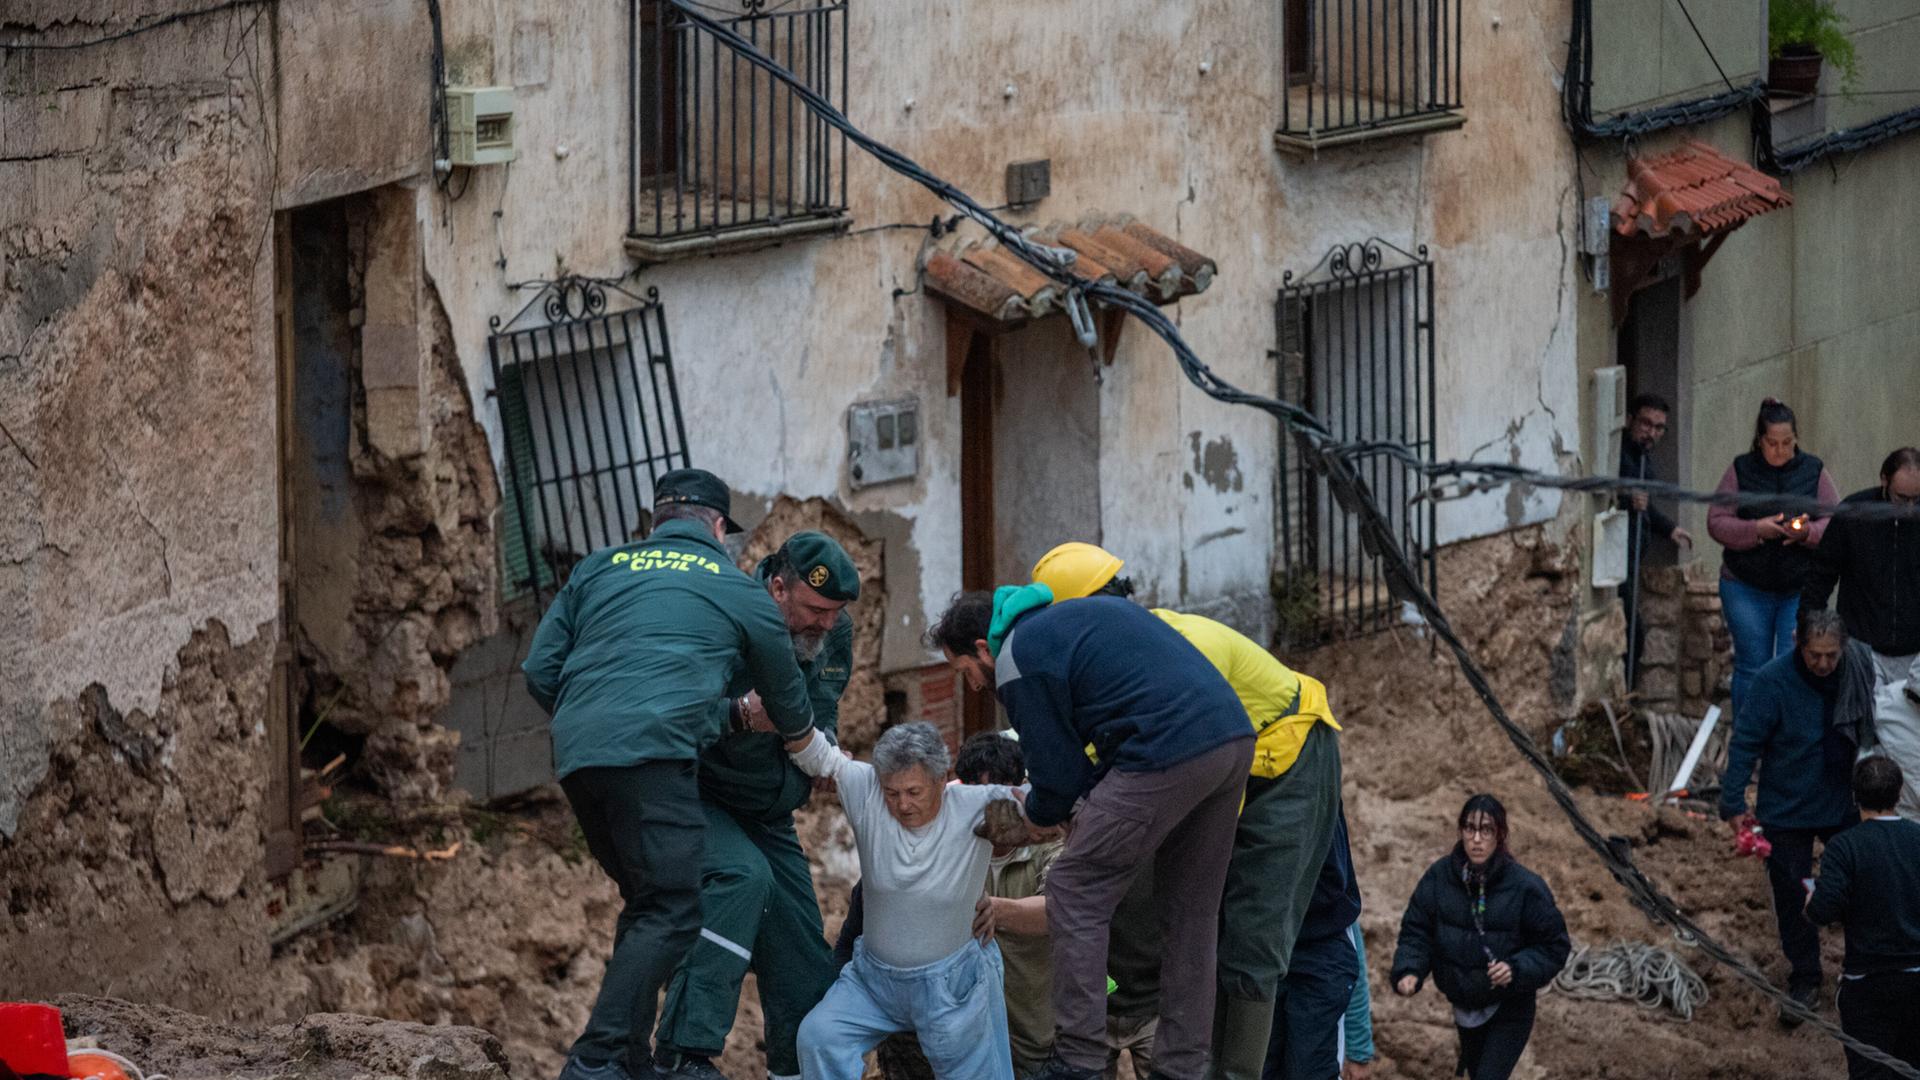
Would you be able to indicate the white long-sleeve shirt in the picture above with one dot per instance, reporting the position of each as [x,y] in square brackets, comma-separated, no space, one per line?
[920,885]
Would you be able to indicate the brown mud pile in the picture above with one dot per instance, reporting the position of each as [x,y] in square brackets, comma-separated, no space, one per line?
[512,935]
[317,1047]
[1418,742]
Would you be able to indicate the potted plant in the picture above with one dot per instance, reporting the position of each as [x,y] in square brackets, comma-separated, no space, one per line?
[1800,35]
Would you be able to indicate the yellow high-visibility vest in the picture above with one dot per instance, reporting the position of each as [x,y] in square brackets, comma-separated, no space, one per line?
[1282,704]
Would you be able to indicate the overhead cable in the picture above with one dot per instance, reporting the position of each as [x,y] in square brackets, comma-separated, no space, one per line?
[1345,486]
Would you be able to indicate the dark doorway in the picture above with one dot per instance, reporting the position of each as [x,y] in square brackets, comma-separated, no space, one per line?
[1030,460]
[1649,349]
[320,534]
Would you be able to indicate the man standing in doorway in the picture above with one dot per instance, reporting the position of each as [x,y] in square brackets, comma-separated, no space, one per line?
[1646,425]
[757,907]
[629,660]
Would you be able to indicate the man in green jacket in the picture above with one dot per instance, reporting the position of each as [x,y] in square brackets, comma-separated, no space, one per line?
[629,660]
[757,907]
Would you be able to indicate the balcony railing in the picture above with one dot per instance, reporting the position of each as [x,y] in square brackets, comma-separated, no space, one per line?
[1361,68]
[723,155]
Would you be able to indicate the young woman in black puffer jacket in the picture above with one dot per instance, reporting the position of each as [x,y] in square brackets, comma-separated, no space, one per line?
[1487,930]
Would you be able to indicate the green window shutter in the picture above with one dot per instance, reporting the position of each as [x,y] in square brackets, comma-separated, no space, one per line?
[518,564]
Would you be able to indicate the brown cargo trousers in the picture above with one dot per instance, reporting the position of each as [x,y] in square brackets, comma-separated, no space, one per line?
[1183,818]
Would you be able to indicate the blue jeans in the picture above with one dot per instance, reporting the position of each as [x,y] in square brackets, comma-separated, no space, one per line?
[956,1006]
[1761,623]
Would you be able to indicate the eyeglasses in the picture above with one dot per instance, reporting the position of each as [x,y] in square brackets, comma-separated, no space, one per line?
[1480,830]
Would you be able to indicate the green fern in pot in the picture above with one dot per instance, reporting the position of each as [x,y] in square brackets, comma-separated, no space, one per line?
[1801,33]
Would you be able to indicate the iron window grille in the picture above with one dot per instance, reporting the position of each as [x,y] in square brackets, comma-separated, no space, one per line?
[717,145]
[590,418]
[1354,65]
[1356,346]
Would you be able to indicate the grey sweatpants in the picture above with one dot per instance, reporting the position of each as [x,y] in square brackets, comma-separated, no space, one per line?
[1183,818]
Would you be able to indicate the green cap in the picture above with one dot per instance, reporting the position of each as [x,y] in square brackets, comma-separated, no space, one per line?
[699,487]
[823,564]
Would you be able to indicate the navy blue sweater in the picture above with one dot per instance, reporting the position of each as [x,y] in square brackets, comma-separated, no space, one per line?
[1805,779]
[1869,877]
[1107,673]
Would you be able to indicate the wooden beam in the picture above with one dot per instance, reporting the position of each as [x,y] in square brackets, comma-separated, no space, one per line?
[1112,322]
[959,339]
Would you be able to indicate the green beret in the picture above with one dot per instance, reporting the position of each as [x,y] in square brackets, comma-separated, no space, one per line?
[823,564]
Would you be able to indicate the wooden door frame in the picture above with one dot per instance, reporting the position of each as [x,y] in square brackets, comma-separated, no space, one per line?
[975,382]
[279,816]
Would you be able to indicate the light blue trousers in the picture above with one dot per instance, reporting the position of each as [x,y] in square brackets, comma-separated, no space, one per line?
[956,1006]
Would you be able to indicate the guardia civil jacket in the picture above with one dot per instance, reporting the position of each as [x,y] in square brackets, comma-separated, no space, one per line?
[749,772]
[645,638]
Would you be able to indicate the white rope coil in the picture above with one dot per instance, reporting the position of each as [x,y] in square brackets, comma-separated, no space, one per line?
[1646,974]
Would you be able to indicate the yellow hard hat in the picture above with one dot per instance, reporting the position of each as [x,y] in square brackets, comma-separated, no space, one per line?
[1073,570]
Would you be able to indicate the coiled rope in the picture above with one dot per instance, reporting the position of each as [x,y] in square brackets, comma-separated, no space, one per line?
[1649,975]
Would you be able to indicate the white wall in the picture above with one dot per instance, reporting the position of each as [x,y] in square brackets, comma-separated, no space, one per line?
[772,347]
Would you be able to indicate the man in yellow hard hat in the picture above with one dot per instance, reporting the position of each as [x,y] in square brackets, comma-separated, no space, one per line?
[1287,824]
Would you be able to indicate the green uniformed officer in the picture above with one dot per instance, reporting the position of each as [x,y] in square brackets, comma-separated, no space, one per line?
[629,659]
[757,906]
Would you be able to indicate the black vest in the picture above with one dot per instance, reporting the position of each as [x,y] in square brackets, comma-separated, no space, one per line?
[1775,565]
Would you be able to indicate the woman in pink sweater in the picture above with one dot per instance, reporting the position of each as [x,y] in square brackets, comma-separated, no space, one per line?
[1767,555]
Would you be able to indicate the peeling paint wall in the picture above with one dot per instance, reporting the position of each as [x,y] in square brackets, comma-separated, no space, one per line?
[1164,112]
[140,417]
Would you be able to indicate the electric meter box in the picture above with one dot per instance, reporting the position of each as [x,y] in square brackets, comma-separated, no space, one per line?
[480,125]
[883,442]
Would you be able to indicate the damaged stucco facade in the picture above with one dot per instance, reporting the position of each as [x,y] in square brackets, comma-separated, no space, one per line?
[142,408]
[146,575]
[1164,113]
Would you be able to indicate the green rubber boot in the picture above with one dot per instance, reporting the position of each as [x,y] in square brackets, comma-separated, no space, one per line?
[1241,1028]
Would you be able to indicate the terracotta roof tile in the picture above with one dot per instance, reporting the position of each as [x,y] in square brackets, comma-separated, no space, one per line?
[991,282]
[1693,191]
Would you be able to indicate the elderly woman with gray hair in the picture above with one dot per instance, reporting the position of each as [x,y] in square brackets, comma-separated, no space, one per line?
[918,966]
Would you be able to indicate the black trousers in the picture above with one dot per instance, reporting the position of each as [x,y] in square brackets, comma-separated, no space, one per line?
[644,826]
[1789,865]
[1490,1051]
[1305,1043]
[1879,1011]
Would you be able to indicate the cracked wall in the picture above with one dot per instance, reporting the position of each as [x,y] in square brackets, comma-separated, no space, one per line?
[140,539]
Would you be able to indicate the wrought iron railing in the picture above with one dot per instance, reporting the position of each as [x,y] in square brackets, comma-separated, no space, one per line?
[1357,64]
[1356,347]
[718,145]
[590,418]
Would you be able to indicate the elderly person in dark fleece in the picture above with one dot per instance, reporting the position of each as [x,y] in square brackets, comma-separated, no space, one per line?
[1785,725]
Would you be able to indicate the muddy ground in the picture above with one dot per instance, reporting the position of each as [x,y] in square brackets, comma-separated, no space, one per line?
[511,936]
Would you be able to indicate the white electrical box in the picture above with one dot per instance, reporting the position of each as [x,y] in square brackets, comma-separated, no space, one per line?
[480,125]
[1607,417]
[1607,412]
[1609,563]
[883,442]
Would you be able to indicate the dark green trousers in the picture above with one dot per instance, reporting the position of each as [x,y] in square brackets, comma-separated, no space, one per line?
[1285,831]
[643,825]
[758,912]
